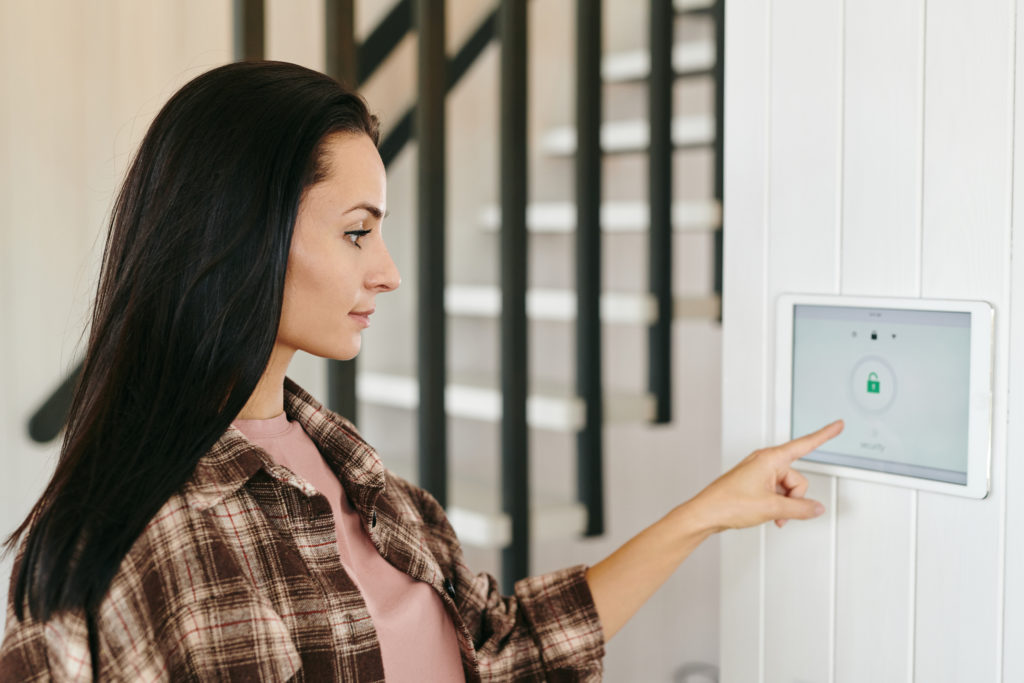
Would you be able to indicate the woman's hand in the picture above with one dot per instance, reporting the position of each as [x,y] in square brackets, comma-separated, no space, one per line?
[762,487]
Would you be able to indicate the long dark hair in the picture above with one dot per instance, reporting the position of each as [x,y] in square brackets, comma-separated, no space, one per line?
[186,312]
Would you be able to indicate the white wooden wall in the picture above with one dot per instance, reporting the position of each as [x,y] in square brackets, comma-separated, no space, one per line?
[870,150]
[79,83]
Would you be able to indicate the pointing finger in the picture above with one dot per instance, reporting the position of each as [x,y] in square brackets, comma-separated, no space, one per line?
[798,448]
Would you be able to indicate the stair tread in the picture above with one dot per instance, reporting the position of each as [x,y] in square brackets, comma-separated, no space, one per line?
[631,135]
[633,65]
[616,216]
[474,510]
[555,409]
[638,308]
[692,5]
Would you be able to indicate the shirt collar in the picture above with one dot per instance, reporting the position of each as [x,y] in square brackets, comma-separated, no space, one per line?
[233,460]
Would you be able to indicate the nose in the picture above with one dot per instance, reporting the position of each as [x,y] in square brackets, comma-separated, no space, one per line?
[384,277]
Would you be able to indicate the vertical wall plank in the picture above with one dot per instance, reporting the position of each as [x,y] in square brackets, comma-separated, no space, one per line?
[803,249]
[880,256]
[745,364]
[873,581]
[967,156]
[1013,632]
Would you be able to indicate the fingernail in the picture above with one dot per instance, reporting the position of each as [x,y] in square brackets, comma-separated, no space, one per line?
[819,509]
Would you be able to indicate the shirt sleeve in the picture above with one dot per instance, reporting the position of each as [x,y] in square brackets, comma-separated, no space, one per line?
[32,651]
[548,630]
[22,654]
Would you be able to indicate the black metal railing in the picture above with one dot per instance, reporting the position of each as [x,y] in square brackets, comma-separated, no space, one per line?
[248,29]
[341,60]
[515,491]
[719,77]
[589,442]
[430,194]
[659,344]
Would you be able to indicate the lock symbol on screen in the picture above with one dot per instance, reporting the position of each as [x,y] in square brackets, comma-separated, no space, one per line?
[873,386]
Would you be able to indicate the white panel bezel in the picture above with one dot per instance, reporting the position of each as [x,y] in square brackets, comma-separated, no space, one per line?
[979,426]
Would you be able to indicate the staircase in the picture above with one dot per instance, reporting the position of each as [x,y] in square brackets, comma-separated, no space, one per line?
[389,395]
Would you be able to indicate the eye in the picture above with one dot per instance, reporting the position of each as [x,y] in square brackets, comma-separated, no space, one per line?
[354,235]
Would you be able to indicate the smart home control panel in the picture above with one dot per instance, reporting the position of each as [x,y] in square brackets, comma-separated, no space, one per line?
[911,378]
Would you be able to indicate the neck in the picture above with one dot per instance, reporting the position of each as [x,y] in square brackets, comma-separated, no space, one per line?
[267,400]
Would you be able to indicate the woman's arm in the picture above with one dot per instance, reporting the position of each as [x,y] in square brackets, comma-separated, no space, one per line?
[762,487]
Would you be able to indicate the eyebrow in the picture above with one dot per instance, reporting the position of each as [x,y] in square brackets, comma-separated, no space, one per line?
[371,209]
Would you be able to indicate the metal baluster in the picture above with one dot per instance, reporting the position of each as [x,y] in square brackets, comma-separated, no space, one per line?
[588,260]
[719,19]
[340,43]
[659,339]
[515,493]
[430,184]
[248,27]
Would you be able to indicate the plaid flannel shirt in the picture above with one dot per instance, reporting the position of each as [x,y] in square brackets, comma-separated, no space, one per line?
[237,577]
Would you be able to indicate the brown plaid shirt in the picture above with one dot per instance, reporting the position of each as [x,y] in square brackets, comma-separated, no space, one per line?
[237,577]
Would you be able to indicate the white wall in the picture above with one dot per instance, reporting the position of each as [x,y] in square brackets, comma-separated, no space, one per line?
[870,150]
[80,83]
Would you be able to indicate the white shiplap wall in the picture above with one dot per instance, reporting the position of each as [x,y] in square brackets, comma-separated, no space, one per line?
[870,149]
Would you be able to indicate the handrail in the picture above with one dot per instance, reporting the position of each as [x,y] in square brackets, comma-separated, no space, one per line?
[372,52]
[457,66]
[47,421]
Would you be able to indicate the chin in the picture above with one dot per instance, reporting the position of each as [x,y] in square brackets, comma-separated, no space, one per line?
[347,351]
[332,344]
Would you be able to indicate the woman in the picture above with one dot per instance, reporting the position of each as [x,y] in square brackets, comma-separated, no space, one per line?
[208,519]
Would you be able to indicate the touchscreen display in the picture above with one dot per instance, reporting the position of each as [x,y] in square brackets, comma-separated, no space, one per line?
[899,379]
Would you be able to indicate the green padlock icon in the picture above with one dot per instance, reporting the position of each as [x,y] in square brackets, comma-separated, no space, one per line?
[873,386]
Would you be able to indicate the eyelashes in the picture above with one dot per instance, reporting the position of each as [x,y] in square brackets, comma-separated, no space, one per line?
[355,235]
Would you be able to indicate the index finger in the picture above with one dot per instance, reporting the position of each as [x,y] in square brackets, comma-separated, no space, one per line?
[798,448]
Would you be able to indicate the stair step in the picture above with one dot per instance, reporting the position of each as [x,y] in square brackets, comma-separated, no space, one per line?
[616,216]
[687,58]
[563,413]
[560,305]
[474,511]
[481,529]
[692,5]
[632,135]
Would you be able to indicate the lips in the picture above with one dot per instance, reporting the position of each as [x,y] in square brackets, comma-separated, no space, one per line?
[362,317]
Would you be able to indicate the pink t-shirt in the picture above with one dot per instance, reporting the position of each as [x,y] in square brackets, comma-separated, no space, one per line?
[417,638]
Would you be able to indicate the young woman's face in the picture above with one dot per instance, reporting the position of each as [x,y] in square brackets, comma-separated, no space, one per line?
[338,263]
